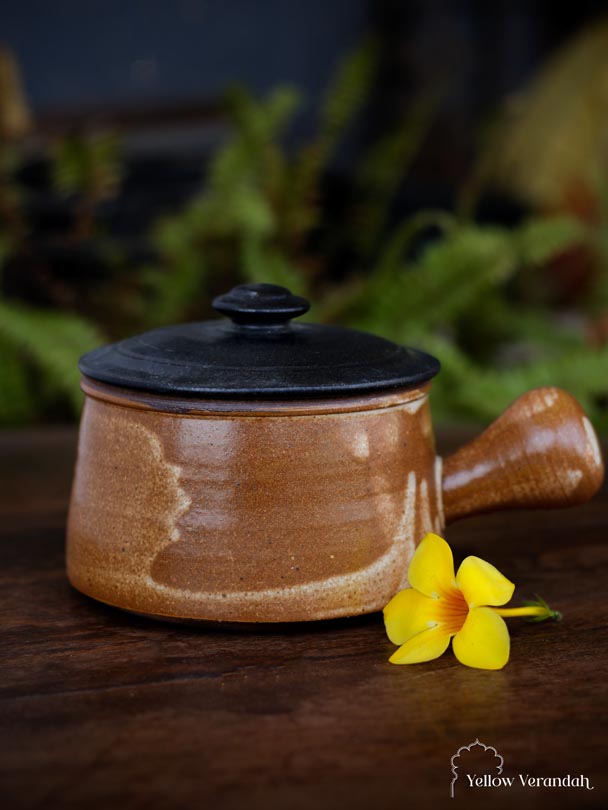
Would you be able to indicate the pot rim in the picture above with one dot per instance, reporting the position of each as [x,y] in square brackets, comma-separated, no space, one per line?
[181,406]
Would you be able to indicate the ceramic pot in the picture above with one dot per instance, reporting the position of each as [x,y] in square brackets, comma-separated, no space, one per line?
[214,484]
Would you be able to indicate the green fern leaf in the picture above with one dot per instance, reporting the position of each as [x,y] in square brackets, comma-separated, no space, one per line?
[540,239]
[52,342]
[18,402]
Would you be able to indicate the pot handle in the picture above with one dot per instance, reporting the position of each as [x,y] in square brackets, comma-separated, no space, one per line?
[541,453]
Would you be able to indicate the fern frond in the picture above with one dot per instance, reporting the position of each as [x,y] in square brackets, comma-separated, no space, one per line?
[541,238]
[383,169]
[88,165]
[261,263]
[52,342]
[171,290]
[583,372]
[348,91]
[450,277]
[17,399]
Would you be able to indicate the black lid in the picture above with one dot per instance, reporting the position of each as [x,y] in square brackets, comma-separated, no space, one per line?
[258,353]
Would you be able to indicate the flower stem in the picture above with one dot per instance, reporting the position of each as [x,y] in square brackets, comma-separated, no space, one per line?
[538,611]
[521,611]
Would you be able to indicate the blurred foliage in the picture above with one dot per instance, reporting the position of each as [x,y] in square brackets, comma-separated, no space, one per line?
[88,169]
[480,297]
[549,146]
[39,352]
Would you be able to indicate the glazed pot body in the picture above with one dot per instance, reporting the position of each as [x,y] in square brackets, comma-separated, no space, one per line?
[253,511]
[306,499]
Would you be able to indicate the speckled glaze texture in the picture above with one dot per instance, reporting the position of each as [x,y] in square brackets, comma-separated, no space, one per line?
[541,453]
[251,512]
[296,510]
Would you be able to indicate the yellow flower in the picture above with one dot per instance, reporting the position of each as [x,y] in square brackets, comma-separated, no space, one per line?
[440,606]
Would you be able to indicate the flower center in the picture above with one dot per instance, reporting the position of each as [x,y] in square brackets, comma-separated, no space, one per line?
[452,611]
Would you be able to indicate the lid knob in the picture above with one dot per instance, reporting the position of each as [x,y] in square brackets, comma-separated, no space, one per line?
[261,305]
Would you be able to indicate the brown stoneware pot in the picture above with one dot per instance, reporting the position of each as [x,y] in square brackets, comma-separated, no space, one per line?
[258,470]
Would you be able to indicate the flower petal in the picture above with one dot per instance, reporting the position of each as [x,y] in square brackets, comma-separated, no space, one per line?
[482,584]
[423,647]
[483,641]
[431,570]
[408,613]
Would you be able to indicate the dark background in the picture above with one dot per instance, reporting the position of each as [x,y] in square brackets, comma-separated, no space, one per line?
[159,69]
[90,252]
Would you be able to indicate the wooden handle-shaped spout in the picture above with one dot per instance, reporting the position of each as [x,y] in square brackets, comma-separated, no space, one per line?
[541,453]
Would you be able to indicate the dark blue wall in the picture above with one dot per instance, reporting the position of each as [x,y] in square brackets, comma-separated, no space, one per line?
[75,52]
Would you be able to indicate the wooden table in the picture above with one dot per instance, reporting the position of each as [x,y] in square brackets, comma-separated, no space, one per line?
[101,709]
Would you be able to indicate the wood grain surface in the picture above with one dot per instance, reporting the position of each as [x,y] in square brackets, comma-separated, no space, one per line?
[102,709]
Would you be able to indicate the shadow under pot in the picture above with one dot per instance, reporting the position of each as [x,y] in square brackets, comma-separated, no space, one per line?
[252,469]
